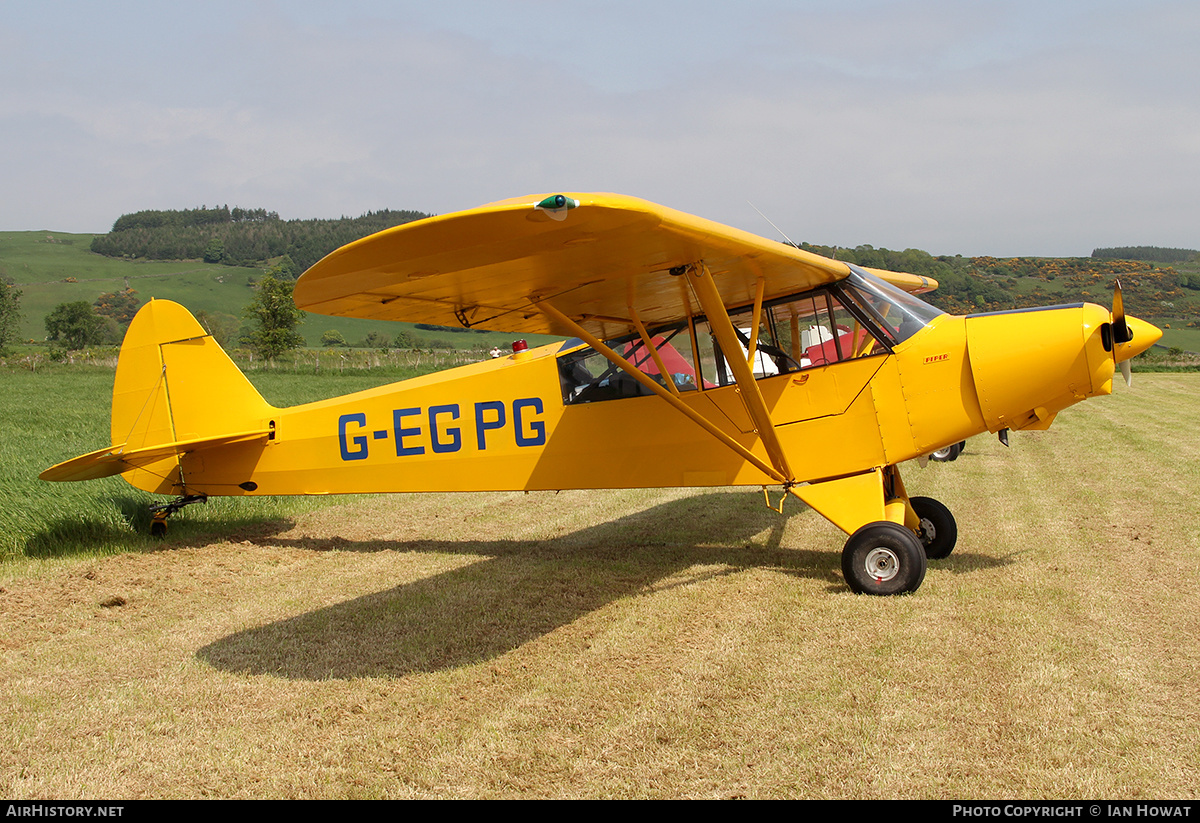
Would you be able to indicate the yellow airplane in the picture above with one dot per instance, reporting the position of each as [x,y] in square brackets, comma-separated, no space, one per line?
[700,355]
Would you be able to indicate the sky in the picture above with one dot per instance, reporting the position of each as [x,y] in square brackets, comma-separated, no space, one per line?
[1047,127]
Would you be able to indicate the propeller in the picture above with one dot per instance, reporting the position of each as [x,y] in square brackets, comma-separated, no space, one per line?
[1121,333]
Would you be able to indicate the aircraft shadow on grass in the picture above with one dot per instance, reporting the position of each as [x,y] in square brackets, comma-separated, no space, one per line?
[521,590]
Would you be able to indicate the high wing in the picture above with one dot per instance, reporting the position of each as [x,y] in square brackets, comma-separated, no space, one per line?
[600,259]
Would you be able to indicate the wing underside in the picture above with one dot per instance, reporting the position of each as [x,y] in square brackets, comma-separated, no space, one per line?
[600,260]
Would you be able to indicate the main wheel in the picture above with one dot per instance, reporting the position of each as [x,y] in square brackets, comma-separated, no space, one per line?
[883,558]
[939,532]
[947,454]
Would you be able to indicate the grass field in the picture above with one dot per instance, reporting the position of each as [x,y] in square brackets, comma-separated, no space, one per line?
[674,643]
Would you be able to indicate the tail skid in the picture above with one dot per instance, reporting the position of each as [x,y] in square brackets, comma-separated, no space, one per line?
[176,392]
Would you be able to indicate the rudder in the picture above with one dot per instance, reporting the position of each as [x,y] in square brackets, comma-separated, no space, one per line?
[174,384]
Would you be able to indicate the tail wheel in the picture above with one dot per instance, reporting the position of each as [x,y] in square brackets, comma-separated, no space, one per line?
[883,558]
[939,532]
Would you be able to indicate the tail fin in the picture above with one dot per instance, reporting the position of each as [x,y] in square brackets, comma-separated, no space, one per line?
[176,391]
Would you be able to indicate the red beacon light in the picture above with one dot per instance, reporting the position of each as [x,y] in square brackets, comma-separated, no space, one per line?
[520,346]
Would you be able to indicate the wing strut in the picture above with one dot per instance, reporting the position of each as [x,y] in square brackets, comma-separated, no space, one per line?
[637,374]
[714,309]
[756,322]
[650,347]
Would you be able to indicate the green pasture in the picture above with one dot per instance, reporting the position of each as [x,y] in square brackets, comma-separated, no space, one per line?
[54,267]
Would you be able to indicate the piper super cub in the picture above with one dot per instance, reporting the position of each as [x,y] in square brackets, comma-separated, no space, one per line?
[698,355]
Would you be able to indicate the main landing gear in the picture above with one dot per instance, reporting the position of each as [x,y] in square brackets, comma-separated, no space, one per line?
[937,529]
[891,535]
[161,511]
[889,558]
[885,557]
[949,453]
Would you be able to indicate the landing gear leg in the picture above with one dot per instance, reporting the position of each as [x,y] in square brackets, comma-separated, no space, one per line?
[884,554]
[161,511]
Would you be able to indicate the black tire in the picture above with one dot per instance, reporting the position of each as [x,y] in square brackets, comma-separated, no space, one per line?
[158,528]
[939,531]
[948,454]
[883,558]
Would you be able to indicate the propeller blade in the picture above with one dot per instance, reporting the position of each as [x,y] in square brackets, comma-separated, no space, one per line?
[1126,372]
[1121,333]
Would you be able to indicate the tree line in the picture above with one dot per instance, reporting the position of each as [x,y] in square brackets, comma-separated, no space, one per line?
[1153,254]
[237,236]
[203,216]
[10,313]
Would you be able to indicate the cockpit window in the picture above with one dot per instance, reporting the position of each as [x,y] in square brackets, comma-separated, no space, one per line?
[899,314]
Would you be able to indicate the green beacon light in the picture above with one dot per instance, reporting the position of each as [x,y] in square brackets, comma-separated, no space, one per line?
[557,206]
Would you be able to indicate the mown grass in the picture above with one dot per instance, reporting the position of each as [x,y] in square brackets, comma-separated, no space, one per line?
[674,643]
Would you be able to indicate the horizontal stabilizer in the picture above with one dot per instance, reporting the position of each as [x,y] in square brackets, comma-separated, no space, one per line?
[116,460]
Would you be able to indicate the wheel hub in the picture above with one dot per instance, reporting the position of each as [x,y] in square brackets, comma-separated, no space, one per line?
[882,564]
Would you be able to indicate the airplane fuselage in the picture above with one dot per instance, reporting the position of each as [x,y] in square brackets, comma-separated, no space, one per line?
[503,424]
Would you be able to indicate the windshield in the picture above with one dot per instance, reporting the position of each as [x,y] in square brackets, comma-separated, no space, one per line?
[899,314]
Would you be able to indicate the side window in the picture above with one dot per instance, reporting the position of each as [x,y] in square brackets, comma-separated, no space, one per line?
[587,376]
[854,338]
[818,329]
[806,331]
[770,358]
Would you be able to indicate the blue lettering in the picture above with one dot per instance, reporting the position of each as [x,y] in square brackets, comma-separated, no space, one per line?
[538,427]
[455,433]
[360,452]
[482,426]
[445,432]
[397,423]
